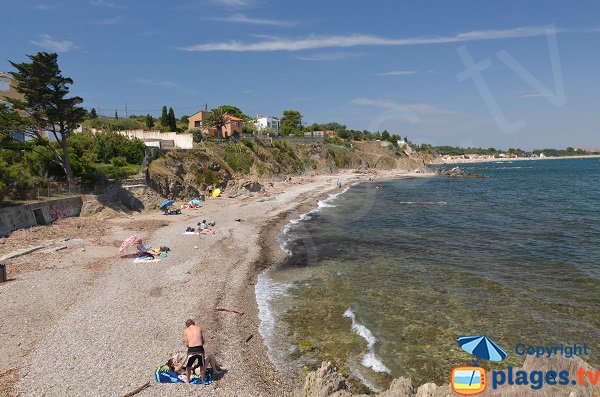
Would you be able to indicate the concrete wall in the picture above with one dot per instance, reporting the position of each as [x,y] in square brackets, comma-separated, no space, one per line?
[22,216]
[182,141]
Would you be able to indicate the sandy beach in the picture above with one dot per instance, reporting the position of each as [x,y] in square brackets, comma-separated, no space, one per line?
[81,321]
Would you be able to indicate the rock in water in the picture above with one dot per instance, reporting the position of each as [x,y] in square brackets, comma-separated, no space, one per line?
[457,172]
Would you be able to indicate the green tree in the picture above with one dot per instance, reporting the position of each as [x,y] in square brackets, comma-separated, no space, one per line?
[149,121]
[164,118]
[385,135]
[216,119]
[291,122]
[172,120]
[93,114]
[116,115]
[234,111]
[45,106]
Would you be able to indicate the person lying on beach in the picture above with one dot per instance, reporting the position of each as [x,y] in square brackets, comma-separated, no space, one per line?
[177,364]
[143,251]
[204,229]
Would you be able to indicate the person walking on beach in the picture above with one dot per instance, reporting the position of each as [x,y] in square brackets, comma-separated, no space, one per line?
[339,184]
[194,340]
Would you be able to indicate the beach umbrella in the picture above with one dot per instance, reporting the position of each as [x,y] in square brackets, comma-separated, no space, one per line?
[482,347]
[131,241]
[166,204]
[195,202]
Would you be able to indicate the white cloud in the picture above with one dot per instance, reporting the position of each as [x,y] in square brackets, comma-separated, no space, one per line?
[44,7]
[536,95]
[397,73]
[106,21]
[46,41]
[103,3]
[315,42]
[418,108]
[329,56]
[241,18]
[157,83]
[235,3]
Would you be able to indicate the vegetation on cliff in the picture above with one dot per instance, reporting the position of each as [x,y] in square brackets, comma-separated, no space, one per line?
[186,173]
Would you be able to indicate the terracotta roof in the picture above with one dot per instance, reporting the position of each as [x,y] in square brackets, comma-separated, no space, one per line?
[233,118]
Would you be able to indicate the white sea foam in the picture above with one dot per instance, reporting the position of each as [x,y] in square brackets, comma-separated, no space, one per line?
[359,375]
[284,241]
[370,359]
[267,291]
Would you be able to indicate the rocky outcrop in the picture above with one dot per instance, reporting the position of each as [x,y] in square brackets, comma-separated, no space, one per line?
[457,172]
[241,187]
[326,382]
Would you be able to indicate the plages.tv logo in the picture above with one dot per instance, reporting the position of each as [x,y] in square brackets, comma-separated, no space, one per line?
[470,380]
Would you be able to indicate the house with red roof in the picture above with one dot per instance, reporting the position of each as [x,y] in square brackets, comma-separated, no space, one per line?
[233,125]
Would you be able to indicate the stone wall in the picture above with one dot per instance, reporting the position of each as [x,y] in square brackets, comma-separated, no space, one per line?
[43,213]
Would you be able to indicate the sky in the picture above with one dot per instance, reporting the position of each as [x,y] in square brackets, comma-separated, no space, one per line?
[462,73]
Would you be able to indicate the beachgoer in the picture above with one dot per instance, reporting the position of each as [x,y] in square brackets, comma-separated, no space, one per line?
[143,251]
[177,365]
[202,225]
[194,341]
[339,184]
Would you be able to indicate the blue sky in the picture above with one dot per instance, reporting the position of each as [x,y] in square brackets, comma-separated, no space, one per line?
[376,65]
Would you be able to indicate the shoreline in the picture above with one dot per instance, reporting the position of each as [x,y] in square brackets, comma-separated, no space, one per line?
[469,161]
[128,315]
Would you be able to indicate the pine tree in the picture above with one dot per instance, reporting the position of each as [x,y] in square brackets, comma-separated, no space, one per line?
[149,121]
[172,121]
[164,118]
[93,114]
[116,115]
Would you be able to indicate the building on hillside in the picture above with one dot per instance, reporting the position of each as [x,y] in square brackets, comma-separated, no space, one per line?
[161,140]
[314,134]
[263,123]
[8,90]
[234,125]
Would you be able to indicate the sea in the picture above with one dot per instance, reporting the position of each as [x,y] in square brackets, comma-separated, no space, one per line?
[382,278]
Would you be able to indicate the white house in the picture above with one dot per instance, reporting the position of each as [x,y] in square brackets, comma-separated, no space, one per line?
[266,122]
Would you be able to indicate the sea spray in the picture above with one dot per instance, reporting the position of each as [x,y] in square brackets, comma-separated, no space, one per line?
[370,359]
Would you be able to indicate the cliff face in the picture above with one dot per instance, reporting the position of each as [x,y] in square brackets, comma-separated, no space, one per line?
[326,382]
[184,174]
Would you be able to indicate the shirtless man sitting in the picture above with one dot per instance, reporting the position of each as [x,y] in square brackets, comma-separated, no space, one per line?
[194,340]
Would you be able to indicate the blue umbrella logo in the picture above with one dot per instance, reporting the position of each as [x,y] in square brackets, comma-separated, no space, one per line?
[482,347]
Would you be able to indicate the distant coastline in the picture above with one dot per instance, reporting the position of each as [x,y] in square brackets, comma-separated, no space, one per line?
[487,160]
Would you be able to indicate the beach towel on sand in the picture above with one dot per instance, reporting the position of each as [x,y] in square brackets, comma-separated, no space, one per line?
[165,375]
[145,259]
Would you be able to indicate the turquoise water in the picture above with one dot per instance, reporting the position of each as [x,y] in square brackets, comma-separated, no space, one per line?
[384,281]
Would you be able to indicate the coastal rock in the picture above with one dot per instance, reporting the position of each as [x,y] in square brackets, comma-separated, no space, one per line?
[457,172]
[240,187]
[326,382]
[400,387]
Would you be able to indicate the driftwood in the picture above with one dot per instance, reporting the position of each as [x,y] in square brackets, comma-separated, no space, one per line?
[139,389]
[248,338]
[222,309]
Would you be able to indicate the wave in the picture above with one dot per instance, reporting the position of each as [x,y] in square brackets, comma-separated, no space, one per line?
[424,202]
[370,359]
[268,291]
[284,241]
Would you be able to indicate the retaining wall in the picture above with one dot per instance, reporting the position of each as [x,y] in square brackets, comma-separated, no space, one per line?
[22,216]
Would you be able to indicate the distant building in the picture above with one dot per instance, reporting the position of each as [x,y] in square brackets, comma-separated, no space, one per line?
[161,140]
[234,125]
[267,123]
[8,90]
[314,134]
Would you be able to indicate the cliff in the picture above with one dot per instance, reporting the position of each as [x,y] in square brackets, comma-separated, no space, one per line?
[184,174]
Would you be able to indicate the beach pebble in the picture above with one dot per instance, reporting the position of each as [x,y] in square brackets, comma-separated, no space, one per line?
[195,247]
